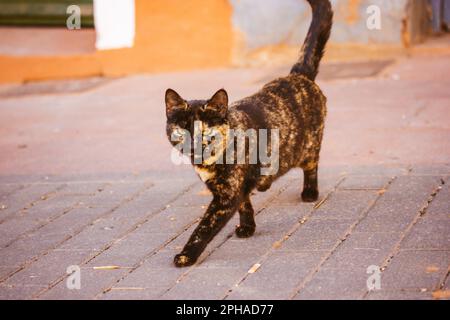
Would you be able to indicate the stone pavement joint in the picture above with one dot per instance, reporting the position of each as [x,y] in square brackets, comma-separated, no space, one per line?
[347,234]
[228,236]
[422,211]
[36,257]
[127,232]
[35,200]
[73,203]
[288,234]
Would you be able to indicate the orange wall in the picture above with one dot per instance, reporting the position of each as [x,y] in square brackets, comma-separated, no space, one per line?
[170,35]
[175,35]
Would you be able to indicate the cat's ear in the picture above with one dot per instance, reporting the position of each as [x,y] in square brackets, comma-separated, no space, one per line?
[219,102]
[173,100]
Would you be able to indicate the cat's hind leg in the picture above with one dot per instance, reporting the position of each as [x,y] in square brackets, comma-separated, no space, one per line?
[310,191]
[247,225]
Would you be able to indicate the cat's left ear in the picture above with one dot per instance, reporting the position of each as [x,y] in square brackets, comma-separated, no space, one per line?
[173,101]
[219,102]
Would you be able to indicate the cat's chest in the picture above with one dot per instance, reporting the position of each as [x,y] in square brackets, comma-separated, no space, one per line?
[205,173]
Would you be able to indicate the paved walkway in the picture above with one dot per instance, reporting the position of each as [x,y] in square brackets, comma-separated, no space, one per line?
[86,180]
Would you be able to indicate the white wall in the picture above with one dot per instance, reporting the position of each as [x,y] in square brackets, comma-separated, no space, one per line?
[114,24]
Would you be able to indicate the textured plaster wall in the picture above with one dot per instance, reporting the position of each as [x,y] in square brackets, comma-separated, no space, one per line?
[261,23]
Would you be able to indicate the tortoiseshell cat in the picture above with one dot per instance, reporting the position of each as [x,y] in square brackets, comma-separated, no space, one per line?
[293,104]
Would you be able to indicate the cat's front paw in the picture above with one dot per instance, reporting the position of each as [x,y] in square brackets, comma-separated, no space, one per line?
[183,260]
[310,195]
[245,231]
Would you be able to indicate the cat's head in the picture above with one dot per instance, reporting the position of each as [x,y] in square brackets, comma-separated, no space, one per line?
[208,116]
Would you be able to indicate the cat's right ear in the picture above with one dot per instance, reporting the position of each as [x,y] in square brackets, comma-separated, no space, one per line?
[173,101]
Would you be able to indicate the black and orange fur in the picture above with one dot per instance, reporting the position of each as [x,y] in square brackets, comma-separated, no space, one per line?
[293,104]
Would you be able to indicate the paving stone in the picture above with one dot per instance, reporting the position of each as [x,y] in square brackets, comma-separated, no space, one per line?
[237,256]
[204,284]
[272,224]
[51,235]
[439,208]
[420,269]
[157,274]
[372,170]
[14,257]
[170,184]
[432,169]
[121,220]
[7,188]
[12,229]
[428,234]
[399,295]
[158,267]
[47,269]
[336,284]
[128,252]
[365,182]
[43,212]
[133,293]
[115,194]
[5,271]
[308,236]
[97,281]
[362,249]
[292,194]
[276,220]
[345,205]
[152,200]
[147,237]
[133,250]
[263,199]
[386,223]
[85,188]
[89,287]
[22,198]
[74,221]
[115,223]
[400,204]
[278,276]
[163,261]
[236,253]
[172,219]
[18,292]
[152,233]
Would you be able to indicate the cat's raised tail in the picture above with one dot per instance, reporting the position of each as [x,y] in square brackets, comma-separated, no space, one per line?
[314,46]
